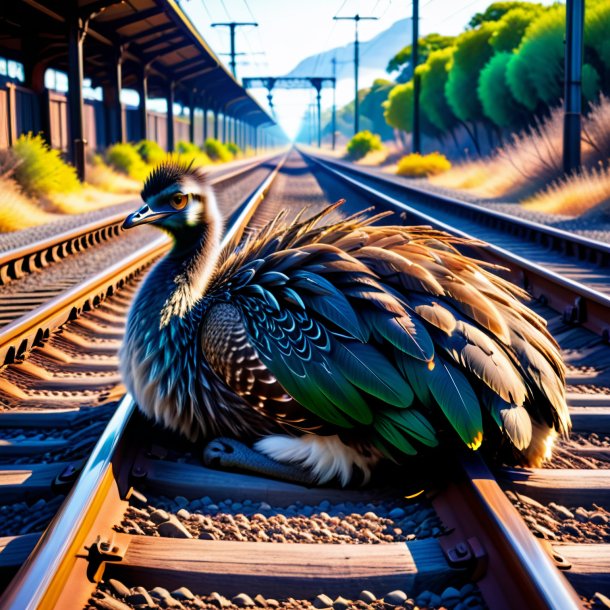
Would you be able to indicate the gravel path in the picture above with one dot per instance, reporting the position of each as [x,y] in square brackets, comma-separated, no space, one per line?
[114,595]
[344,523]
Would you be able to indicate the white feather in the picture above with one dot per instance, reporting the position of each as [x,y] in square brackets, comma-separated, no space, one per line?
[325,456]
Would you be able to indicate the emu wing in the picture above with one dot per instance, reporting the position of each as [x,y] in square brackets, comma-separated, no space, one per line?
[388,331]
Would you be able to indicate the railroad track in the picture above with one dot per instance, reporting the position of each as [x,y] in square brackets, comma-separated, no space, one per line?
[145,518]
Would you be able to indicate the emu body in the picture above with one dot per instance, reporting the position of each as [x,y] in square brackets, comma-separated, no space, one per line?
[332,346]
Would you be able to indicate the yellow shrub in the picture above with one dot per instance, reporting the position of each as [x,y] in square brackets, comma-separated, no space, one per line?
[40,170]
[125,158]
[417,165]
[362,144]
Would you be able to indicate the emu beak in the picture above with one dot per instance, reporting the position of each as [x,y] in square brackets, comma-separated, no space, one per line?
[143,216]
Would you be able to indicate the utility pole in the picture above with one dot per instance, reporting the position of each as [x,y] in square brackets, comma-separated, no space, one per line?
[416,82]
[233,25]
[356,19]
[575,17]
[333,122]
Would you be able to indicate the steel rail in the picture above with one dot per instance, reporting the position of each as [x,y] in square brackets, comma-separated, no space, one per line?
[42,576]
[600,303]
[535,570]
[20,261]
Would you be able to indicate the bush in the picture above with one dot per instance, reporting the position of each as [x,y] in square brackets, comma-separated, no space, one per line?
[40,170]
[125,158]
[234,149]
[362,144]
[217,151]
[191,153]
[423,165]
[151,152]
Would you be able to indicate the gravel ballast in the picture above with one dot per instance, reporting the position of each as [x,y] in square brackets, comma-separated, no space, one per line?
[114,595]
[344,523]
[563,524]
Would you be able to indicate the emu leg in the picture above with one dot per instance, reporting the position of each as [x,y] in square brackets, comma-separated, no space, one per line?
[230,453]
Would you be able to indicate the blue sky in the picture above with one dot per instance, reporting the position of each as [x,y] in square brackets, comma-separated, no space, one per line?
[290,30]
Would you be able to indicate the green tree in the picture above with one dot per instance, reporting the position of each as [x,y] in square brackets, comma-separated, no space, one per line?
[433,78]
[472,52]
[399,107]
[427,44]
[371,107]
[511,27]
[597,40]
[535,73]
[497,101]
[495,12]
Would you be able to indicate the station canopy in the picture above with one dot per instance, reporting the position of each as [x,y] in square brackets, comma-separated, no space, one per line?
[151,35]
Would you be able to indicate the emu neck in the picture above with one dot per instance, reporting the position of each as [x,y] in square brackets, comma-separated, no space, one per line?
[193,257]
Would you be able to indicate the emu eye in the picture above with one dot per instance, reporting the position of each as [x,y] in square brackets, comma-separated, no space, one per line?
[179,201]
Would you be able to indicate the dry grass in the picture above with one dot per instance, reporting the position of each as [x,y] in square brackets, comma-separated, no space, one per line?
[102,176]
[596,132]
[17,211]
[374,158]
[575,195]
[523,165]
[90,198]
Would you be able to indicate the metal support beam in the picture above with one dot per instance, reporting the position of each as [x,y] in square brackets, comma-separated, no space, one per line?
[142,110]
[334,109]
[112,100]
[416,79]
[192,107]
[76,36]
[205,109]
[575,17]
[170,116]
[319,114]
[215,114]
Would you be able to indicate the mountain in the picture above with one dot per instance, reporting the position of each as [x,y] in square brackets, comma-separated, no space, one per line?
[374,56]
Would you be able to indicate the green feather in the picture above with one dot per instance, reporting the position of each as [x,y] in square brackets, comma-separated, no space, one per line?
[369,370]
[414,423]
[310,396]
[458,402]
[416,372]
[341,392]
[391,434]
[405,335]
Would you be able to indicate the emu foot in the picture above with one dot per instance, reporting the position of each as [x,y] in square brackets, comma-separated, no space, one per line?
[233,454]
